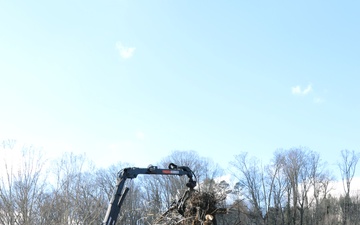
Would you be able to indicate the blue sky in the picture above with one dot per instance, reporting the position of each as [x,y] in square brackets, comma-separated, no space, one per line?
[132,81]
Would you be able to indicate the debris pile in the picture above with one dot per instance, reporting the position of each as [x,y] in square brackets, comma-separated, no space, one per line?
[199,208]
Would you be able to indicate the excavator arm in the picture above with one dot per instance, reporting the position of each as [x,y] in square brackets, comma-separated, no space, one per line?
[119,194]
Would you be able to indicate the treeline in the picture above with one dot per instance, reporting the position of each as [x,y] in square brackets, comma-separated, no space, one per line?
[294,188]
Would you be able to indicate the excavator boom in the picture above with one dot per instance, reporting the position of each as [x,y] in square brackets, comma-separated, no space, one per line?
[119,194]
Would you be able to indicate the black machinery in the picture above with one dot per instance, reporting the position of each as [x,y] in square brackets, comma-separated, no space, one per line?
[131,173]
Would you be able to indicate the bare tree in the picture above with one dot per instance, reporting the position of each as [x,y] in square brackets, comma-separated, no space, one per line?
[293,162]
[7,210]
[347,169]
[320,179]
[250,182]
[276,215]
[77,197]
[160,192]
[203,168]
[305,182]
[22,186]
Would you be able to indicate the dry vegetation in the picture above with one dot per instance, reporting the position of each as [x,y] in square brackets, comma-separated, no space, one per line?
[200,208]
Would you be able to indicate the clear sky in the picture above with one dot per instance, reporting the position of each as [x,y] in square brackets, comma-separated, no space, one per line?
[132,81]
